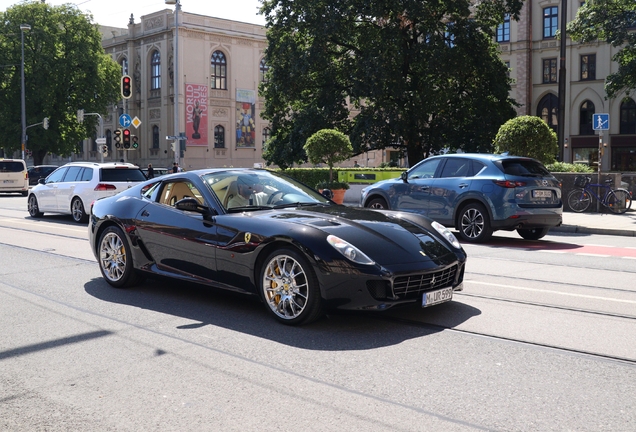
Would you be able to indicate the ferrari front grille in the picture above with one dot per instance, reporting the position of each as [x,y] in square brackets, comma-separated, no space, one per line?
[411,286]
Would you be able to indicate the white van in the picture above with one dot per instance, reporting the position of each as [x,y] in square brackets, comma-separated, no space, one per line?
[14,177]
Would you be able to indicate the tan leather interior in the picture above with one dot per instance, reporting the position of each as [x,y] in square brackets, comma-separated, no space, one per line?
[232,190]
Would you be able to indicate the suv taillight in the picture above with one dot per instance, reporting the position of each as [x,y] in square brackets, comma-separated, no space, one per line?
[105,187]
[509,184]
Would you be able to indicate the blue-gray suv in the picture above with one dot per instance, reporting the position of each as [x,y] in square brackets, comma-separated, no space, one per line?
[476,194]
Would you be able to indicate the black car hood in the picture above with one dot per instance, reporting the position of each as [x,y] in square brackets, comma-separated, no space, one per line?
[386,237]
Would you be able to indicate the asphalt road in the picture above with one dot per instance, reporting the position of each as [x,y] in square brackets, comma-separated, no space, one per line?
[540,339]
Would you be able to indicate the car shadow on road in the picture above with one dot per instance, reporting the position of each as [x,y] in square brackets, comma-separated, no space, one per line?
[201,306]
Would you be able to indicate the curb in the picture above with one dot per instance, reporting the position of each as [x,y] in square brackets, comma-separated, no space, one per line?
[575,229]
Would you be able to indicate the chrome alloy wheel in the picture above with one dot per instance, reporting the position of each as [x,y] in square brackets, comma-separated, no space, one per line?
[472,223]
[77,210]
[112,256]
[285,287]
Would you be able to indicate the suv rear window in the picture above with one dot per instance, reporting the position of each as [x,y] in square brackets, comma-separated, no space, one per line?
[13,167]
[121,175]
[524,167]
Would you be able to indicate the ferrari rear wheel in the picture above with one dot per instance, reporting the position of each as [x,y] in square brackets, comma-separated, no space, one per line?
[290,288]
[115,259]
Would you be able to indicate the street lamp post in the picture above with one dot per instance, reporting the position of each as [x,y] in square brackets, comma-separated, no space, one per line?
[23,27]
[177,146]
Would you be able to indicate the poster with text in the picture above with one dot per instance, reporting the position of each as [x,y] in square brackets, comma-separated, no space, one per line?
[245,120]
[196,106]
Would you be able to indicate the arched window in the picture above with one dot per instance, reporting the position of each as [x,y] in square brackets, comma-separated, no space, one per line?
[155,137]
[628,116]
[585,122]
[109,139]
[124,66]
[263,69]
[219,137]
[155,71]
[267,133]
[548,110]
[219,71]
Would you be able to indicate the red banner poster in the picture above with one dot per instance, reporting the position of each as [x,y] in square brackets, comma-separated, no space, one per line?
[196,106]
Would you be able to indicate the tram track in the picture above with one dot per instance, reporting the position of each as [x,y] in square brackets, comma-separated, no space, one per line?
[552,347]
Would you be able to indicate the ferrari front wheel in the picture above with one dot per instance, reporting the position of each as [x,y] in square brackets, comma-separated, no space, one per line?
[290,288]
[115,259]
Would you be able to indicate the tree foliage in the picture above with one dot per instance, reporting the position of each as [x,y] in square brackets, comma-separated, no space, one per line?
[328,146]
[421,76]
[527,136]
[612,21]
[65,69]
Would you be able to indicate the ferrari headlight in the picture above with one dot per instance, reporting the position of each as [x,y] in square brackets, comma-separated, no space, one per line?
[446,233]
[349,251]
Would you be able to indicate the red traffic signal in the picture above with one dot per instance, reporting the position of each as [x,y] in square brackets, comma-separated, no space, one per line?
[126,87]
[126,138]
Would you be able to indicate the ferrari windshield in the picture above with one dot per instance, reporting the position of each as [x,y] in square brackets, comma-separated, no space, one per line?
[239,190]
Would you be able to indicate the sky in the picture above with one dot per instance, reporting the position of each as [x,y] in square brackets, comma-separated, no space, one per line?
[116,13]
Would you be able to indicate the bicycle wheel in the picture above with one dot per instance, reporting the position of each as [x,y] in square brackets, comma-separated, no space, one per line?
[579,200]
[619,201]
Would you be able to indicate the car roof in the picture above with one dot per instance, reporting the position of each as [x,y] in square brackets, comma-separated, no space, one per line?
[103,164]
[483,156]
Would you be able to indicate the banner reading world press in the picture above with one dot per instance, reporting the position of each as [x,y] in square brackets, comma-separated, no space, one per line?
[245,118]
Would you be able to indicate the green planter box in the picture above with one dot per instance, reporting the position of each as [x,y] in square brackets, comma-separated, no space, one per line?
[367,176]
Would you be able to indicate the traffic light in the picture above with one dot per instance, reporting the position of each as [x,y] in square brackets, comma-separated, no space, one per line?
[126,138]
[126,87]
[118,138]
[172,146]
[105,149]
[135,141]
[45,123]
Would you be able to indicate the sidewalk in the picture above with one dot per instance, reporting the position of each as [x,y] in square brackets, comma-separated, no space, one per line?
[599,223]
[582,223]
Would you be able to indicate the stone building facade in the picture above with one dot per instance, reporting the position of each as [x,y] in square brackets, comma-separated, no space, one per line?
[221,63]
[532,52]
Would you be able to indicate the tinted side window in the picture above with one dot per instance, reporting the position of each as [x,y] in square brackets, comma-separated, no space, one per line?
[455,167]
[73,174]
[57,176]
[523,167]
[477,167]
[122,175]
[87,174]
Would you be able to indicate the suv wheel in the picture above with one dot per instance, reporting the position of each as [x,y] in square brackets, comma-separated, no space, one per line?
[473,223]
[78,212]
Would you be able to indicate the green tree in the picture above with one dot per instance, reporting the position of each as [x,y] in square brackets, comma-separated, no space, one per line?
[612,21]
[527,136]
[328,146]
[65,69]
[423,76]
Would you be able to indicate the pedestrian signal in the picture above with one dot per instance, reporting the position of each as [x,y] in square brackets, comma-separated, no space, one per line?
[126,87]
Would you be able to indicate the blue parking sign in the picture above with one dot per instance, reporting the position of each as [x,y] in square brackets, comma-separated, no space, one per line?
[600,121]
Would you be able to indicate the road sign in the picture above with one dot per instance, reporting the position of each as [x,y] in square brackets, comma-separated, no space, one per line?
[136,122]
[100,141]
[125,120]
[600,121]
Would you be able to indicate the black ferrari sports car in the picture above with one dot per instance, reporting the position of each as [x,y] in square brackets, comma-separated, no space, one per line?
[262,233]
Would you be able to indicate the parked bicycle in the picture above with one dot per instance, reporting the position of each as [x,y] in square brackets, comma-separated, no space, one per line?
[617,200]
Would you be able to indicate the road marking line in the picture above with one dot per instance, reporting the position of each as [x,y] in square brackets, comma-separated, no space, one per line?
[555,251]
[592,255]
[552,292]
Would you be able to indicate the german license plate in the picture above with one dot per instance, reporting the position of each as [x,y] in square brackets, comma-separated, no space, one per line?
[435,297]
[542,193]
[8,181]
